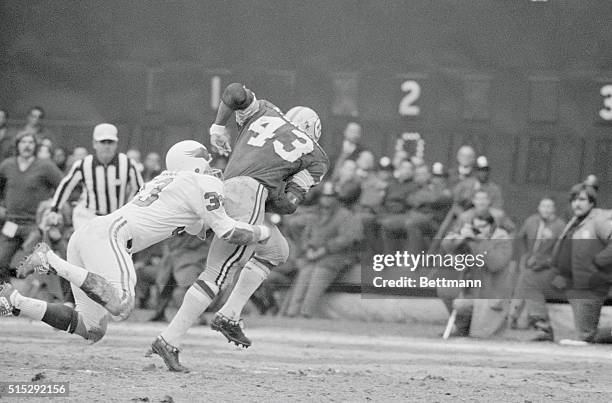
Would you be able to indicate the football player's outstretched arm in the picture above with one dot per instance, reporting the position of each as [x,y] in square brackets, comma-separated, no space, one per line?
[224,113]
[236,232]
[235,98]
[218,137]
[209,207]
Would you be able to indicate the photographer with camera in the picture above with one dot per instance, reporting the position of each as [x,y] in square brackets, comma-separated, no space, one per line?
[481,311]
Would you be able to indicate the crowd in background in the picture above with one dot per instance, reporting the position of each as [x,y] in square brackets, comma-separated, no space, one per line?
[365,205]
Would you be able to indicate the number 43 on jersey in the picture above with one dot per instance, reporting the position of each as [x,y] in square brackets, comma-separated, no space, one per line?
[290,145]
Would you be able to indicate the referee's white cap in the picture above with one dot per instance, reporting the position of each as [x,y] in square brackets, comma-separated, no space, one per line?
[105,131]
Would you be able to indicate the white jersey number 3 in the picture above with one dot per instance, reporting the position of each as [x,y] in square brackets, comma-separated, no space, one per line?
[148,195]
[266,127]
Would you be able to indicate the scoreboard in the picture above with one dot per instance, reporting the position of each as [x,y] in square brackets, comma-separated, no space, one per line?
[542,109]
[542,131]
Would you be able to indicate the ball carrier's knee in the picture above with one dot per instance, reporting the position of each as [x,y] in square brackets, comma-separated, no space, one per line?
[260,266]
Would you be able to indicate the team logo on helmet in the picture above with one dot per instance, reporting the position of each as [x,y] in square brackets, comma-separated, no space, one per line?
[199,152]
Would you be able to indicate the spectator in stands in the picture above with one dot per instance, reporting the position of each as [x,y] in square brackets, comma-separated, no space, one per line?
[439,182]
[466,188]
[34,125]
[55,234]
[25,181]
[347,184]
[7,137]
[331,242]
[395,208]
[152,166]
[398,157]
[439,175]
[60,158]
[482,311]
[136,156]
[481,203]
[463,185]
[50,288]
[481,207]
[372,185]
[428,207]
[365,163]
[44,152]
[482,174]
[536,239]
[592,181]
[583,259]
[351,145]
[385,170]
[77,154]
[373,189]
[466,158]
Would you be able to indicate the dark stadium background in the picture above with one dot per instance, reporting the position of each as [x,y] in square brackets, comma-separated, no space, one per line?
[518,79]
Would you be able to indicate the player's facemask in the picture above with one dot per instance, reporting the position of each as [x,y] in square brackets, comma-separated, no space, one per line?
[217,173]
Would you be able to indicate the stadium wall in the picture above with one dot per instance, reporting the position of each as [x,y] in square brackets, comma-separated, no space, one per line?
[529,84]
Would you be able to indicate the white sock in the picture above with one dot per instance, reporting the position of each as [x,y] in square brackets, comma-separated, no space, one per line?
[30,307]
[194,304]
[251,277]
[75,274]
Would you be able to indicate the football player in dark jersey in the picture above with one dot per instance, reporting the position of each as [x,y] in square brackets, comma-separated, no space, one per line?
[275,160]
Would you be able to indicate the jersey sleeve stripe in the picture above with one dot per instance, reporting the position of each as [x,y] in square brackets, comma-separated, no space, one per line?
[304,180]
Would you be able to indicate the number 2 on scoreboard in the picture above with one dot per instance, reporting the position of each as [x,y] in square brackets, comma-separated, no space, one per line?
[412,91]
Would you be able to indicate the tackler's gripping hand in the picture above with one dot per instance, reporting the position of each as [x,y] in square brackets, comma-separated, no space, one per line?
[265,234]
[50,219]
[220,139]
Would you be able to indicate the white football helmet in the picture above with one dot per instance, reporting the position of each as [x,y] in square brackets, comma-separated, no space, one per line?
[188,155]
[306,120]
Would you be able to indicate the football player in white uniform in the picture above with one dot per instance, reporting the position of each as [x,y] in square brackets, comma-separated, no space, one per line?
[100,269]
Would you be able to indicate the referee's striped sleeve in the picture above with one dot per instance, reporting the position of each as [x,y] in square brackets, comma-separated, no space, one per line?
[67,185]
[136,180]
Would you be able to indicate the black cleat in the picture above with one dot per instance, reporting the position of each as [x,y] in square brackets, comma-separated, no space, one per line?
[6,290]
[169,354]
[231,329]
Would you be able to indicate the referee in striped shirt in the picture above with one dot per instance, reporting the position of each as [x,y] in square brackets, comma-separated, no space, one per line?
[109,179]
